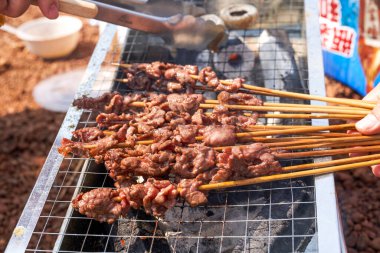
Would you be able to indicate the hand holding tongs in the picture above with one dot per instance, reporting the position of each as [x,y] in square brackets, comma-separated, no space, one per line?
[184,31]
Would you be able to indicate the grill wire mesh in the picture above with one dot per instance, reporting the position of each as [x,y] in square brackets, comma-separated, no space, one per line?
[270,217]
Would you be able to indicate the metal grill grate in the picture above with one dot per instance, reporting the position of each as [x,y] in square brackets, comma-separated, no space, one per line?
[272,217]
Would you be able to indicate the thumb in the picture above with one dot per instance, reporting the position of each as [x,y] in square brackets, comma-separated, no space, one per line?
[370,124]
[49,8]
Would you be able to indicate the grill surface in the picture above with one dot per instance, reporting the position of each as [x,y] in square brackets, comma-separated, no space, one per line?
[273,217]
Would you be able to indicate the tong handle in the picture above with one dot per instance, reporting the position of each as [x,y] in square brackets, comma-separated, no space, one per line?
[79,8]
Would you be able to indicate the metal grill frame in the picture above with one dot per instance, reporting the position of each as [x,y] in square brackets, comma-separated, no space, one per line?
[328,233]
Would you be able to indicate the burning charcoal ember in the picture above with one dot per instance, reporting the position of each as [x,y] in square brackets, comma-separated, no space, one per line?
[218,136]
[194,160]
[184,103]
[103,204]
[88,134]
[225,97]
[188,189]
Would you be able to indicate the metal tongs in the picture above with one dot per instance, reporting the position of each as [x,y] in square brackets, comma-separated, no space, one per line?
[176,22]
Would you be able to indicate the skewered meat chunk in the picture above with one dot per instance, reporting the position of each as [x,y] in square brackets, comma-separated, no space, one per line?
[101,204]
[106,204]
[154,165]
[184,103]
[188,189]
[186,133]
[239,98]
[235,85]
[161,196]
[109,102]
[219,135]
[246,162]
[77,148]
[88,134]
[71,147]
[208,77]
[109,119]
[194,160]
[259,159]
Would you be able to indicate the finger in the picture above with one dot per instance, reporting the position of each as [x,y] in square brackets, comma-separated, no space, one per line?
[370,124]
[3,5]
[49,8]
[373,95]
[15,8]
[376,170]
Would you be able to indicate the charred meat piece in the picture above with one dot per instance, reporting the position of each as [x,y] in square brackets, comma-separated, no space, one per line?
[107,205]
[222,115]
[161,195]
[239,98]
[109,119]
[219,135]
[151,165]
[235,85]
[186,133]
[188,189]
[108,102]
[184,103]
[246,162]
[102,204]
[71,147]
[208,77]
[259,159]
[194,160]
[88,134]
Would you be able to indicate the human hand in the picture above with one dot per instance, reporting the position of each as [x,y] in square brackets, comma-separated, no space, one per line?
[15,8]
[370,124]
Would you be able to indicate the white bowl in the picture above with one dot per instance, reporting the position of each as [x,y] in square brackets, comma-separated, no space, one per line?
[51,38]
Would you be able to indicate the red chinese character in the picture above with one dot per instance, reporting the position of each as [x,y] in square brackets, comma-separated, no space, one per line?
[325,34]
[342,40]
[334,11]
[330,9]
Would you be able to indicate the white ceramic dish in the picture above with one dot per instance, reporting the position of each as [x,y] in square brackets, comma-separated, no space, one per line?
[51,38]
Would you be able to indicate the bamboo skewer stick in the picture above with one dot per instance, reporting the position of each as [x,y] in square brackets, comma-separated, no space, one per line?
[340,140]
[350,102]
[329,152]
[213,101]
[275,108]
[331,163]
[290,175]
[330,145]
[299,130]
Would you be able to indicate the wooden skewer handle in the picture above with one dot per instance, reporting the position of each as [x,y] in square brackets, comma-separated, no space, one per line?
[277,177]
[76,7]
